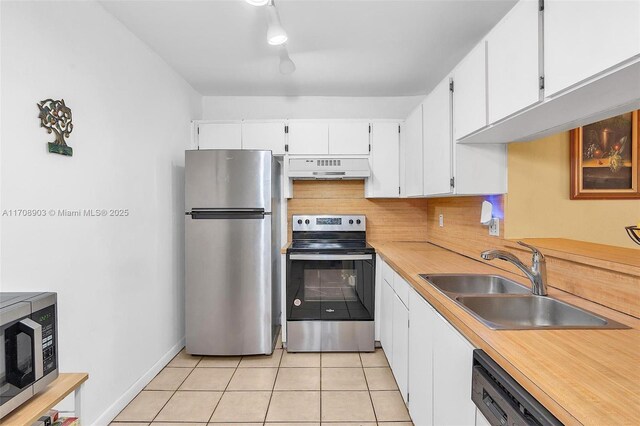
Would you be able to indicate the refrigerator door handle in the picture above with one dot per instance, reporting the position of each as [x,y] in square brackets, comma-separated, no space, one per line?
[227,214]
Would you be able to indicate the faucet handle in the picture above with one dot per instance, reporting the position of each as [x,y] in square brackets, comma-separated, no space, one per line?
[536,253]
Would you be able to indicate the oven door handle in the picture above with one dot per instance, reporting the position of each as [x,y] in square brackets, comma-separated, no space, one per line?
[330,256]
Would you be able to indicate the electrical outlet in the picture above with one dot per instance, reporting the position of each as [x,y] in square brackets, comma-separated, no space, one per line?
[494,227]
[441,220]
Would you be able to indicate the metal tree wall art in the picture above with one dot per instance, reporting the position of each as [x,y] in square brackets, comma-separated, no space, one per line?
[55,116]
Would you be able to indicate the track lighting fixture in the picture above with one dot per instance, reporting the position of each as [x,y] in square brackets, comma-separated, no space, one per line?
[286,64]
[258,2]
[276,35]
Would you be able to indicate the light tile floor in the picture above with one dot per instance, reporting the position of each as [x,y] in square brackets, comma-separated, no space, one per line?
[282,389]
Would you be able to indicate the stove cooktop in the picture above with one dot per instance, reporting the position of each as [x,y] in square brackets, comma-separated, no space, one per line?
[329,234]
[334,245]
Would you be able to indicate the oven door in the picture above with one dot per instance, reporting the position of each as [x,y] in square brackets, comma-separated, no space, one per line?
[332,287]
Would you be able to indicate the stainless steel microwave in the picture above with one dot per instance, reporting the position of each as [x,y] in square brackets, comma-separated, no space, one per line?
[29,356]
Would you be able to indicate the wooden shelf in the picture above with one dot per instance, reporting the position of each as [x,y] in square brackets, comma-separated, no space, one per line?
[29,412]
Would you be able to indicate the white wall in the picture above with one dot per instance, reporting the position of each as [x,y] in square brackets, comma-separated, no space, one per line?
[322,107]
[119,279]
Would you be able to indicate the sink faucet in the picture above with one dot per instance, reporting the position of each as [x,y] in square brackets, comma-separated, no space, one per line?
[537,274]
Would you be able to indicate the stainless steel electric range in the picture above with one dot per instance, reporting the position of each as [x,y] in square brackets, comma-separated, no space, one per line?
[330,285]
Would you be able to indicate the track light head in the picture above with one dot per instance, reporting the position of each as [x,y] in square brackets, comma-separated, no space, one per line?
[286,64]
[258,2]
[276,35]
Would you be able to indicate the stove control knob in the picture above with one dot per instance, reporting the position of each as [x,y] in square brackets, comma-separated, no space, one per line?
[350,221]
[299,221]
[358,221]
[306,221]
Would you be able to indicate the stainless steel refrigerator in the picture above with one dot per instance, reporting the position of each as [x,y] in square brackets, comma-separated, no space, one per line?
[232,249]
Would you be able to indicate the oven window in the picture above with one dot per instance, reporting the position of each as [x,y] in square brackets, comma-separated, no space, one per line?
[330,285]
[340,290]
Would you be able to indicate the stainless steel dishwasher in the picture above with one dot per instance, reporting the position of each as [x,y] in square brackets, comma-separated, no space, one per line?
[501,399]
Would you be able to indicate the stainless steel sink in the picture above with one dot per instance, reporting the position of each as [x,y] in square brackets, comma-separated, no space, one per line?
[475,284]
[503,304]
[531,312]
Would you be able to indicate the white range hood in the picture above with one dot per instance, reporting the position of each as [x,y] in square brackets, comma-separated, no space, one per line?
[329,168]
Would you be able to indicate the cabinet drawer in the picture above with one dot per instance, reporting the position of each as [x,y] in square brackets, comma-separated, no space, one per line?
[387,273]
[401,287]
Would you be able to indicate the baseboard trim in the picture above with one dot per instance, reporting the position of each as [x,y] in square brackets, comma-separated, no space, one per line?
[110,413]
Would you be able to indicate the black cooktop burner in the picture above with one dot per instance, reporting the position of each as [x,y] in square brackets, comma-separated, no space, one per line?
[323,245]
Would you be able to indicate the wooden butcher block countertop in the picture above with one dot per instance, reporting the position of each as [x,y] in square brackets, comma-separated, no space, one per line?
[589,377]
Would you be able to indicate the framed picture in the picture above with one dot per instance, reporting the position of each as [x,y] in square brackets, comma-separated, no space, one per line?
[604,159]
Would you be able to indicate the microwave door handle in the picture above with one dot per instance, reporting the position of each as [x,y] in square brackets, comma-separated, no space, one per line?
[34,329]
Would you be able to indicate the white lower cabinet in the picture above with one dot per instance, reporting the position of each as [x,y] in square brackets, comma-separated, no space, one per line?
[431,361]
[440,362]
[481,420]
[452,366]
[421,319]
[377,296]
[386,320]
[401,345]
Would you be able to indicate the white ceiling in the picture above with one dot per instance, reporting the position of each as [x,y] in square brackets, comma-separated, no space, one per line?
[340,47]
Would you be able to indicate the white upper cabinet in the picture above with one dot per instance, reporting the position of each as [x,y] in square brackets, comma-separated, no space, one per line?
[584,38]
[591,68]
[385,161]
[475,169]
[308,137]
[480,169]
[411,149]
[436,122]
[219,136]
[350,138]
[470,93]
[513,61]
[268,135]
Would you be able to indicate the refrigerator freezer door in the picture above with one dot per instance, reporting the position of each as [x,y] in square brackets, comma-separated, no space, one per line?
[228,286]
[228,179]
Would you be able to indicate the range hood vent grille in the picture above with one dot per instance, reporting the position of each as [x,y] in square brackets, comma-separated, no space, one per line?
[329,168]
[328,162]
